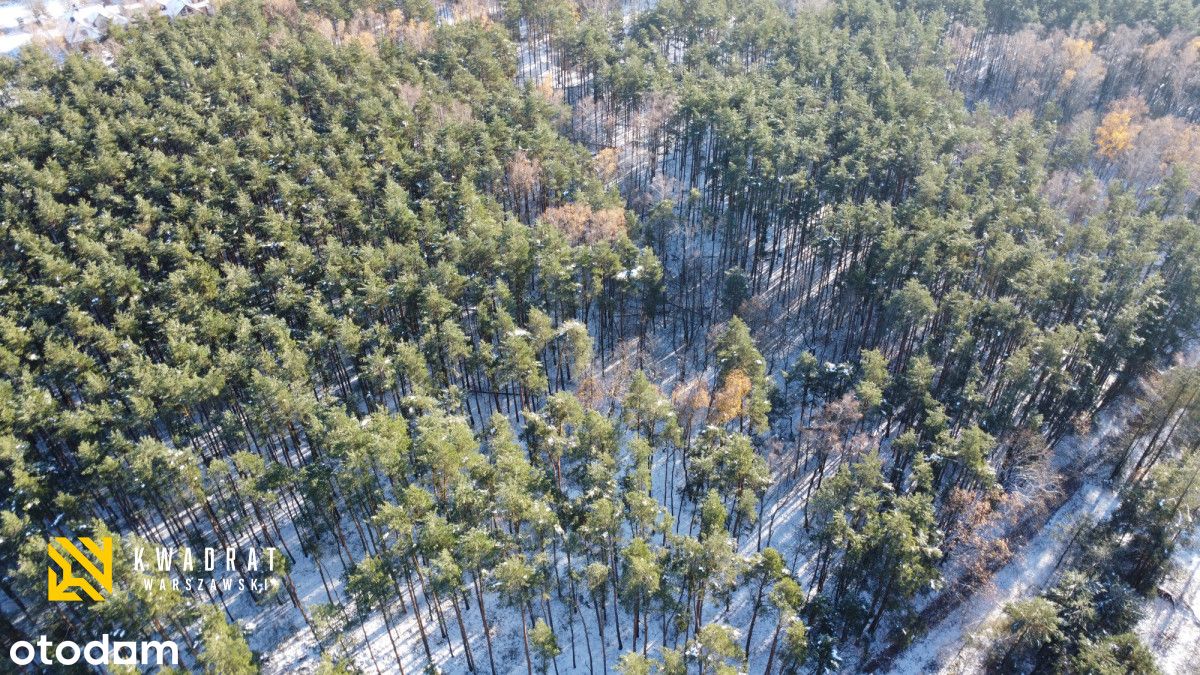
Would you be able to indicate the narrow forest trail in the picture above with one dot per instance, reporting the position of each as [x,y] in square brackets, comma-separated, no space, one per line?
[1171,625]
[957,643]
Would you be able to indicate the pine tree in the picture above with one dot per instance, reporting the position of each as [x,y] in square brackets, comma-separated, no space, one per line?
[736,353]
[545,644]
[515,581]
[767,568]
[224,648]
[640,580]
[787,598]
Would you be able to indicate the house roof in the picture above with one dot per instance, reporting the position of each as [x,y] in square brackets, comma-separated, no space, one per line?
[77,31]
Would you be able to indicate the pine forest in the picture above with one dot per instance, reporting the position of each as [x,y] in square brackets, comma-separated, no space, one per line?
[638,337]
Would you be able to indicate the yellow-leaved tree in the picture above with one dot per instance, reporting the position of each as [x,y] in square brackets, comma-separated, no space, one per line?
[1119,128]
[727,404]
[1078,50]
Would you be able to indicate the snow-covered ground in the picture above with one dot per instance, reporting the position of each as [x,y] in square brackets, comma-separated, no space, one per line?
[1171,626]
[958,642]
[18,25]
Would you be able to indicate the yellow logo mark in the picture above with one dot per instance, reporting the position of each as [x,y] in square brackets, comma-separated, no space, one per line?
[61,590]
